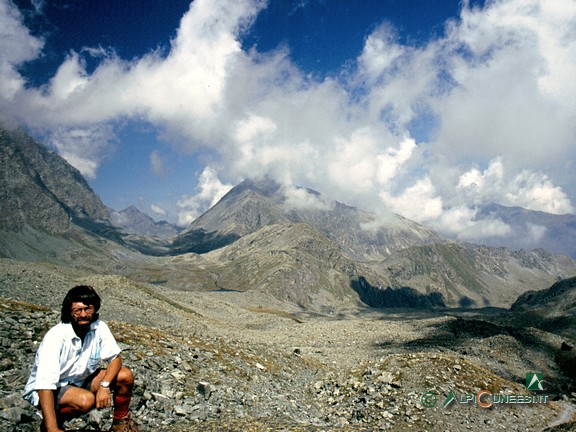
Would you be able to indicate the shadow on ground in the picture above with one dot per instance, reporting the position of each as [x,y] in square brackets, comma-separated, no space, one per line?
[509,351]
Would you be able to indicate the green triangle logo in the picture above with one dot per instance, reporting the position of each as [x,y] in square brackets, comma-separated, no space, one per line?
[534,381]
[449,399]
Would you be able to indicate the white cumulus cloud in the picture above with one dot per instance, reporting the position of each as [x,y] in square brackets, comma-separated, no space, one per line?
[158,210]
[495,96]
[210,191]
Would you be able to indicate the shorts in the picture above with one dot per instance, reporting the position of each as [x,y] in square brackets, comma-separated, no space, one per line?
[86,384]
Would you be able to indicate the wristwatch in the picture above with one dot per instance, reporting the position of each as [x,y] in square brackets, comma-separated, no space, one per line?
[104,384]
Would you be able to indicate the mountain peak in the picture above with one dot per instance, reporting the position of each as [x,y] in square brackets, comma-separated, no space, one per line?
[265,186]
[255,203]
[137,222]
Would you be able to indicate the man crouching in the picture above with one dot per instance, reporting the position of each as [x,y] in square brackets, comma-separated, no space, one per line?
[66,380]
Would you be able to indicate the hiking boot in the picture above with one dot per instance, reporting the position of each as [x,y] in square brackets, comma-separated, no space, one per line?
[124,425]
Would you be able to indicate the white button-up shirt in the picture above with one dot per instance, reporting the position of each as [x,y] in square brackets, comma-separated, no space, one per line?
[63,359]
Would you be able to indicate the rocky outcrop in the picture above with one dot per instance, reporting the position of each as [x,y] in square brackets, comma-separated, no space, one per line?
[566,360]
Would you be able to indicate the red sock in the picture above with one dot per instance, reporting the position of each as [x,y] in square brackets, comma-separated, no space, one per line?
[66,413]
[121,405]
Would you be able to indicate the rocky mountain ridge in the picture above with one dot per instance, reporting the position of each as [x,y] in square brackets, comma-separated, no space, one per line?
[468,275]
[255,203]
[287,242]
[296,263]
[556,233]
[40,190]
[136,222]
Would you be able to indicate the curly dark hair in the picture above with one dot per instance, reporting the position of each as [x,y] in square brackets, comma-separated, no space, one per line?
[81,293]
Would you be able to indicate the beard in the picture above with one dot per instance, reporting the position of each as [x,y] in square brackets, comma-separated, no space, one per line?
[83,323]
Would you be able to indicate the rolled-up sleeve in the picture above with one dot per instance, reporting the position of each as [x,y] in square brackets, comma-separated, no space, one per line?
[109,347]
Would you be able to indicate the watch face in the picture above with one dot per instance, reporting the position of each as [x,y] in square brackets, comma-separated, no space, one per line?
[104,384]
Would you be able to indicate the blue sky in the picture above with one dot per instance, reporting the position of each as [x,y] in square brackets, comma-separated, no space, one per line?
[426,108]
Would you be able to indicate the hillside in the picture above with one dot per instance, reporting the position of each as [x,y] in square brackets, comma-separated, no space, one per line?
[468,275]
[39,189]
[552,309]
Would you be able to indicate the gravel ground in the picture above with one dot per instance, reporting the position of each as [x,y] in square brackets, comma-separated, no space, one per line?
[237,362]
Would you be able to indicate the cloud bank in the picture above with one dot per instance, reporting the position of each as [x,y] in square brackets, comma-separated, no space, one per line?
[484,114]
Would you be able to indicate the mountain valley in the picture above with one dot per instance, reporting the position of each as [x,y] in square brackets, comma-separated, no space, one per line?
[267,314]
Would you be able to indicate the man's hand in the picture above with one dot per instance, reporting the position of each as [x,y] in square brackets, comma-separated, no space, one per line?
[103,397]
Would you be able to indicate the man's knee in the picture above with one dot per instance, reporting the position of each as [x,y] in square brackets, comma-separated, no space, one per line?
[125,377]
[81,403]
